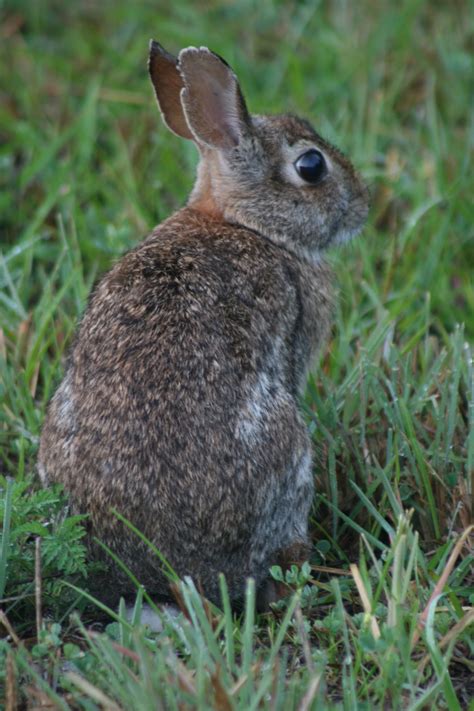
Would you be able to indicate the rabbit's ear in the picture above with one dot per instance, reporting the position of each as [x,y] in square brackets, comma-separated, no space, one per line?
[213,103]
[168,83]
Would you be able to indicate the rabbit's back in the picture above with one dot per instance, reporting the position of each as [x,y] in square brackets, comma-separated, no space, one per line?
[178,406]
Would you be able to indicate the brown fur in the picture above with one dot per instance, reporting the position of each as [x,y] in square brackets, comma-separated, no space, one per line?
[179,404]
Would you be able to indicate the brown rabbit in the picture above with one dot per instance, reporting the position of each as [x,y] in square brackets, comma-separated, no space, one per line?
[179,404]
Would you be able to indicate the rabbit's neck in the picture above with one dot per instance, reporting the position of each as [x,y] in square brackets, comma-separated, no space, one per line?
[203,196]
[216,195]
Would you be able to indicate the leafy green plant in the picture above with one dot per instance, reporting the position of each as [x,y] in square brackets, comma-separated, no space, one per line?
[27,515]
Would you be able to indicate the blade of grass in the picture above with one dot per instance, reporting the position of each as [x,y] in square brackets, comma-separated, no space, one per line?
[5,544]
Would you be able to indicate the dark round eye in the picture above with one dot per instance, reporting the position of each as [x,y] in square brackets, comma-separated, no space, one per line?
[311,166]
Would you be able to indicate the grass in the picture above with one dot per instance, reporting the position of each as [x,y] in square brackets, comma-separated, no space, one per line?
[384,618]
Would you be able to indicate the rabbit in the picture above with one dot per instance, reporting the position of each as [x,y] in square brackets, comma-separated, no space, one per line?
[179,404]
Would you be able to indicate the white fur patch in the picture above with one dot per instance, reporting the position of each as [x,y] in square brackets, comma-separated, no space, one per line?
[150,618]
[252,413]
[65,407]
[304,469]
[42,474]
[304,476]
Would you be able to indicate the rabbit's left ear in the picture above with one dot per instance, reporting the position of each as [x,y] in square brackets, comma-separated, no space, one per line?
[168,83]
[213,104]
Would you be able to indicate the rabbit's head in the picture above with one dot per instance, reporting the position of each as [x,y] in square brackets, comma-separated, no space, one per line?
[272,174]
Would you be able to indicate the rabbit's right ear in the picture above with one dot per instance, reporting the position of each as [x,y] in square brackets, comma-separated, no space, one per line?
[213,103]
[168,83]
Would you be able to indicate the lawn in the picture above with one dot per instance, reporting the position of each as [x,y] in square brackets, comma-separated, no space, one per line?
[382,617]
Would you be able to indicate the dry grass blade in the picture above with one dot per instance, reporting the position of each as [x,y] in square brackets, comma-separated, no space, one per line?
[5,622]
[243,679]
[374,626]
[438,589]
[92,692]
[3,346]
[180,600]
[34,380]
[185,677]
[238,685]
[118,647]
[450,636]
[274,691]
[39,616]
[11,698]
[222,699]
[459,627]
[327,569]
[311,692]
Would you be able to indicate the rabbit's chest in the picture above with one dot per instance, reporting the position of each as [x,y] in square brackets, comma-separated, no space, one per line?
[314,307]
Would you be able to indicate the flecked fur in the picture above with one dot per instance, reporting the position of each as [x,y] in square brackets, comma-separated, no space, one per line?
[179,404]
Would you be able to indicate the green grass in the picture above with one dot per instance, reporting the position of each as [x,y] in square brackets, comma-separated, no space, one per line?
[86,170]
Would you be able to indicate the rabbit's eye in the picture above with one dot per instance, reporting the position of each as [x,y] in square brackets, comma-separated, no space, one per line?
[311,166]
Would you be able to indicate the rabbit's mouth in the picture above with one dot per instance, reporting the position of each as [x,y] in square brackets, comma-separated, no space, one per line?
[351,222]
